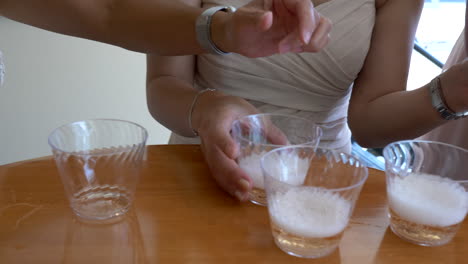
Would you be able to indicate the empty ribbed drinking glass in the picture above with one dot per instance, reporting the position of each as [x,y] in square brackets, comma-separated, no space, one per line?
[99,162]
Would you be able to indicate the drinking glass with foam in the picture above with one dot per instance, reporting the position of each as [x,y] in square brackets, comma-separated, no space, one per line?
[311,195]
[258,134]
[427,192]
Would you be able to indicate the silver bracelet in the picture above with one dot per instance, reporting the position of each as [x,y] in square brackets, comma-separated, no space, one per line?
[439,103]
[203,28]
[192,106]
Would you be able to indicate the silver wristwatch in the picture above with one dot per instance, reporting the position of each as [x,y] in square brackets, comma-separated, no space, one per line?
[439,104]
[203,28]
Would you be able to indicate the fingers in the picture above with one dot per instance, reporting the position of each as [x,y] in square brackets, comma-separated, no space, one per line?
[229,176]
[454,84]
[290,43]
[265,21]
[307,17]
[275,136]
[319,39]
[308,20]
[220,151]
[255,18]
[228,146]
[321,36]
[221,136]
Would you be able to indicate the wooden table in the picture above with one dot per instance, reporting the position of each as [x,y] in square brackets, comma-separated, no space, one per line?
[181,216]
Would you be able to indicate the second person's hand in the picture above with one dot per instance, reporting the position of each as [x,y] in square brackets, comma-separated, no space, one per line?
[266,27]
[454,83]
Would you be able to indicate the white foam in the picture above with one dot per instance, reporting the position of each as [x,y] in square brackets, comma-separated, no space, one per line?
[251,165]
[310,211]
[428,199]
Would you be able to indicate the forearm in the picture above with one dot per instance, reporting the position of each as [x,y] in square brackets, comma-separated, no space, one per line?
[157,26]
[392,117]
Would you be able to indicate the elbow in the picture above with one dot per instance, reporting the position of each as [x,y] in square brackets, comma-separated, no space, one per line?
[151,99]
[361,138]
[371,139]
[359,131]
[367,138]
[364,141]
[362,131]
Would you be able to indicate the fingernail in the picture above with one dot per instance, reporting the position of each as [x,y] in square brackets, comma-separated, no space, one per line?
[244,185]
[239,195]
[307,35]
[284,48]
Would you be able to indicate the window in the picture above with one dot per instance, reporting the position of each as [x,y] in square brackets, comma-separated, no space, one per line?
[441,24]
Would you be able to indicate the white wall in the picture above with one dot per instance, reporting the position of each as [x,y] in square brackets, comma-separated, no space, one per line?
[53,79]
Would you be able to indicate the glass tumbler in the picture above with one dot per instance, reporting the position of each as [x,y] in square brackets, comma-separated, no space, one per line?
[258,134]
[99,163]
[311,195]
[427,188]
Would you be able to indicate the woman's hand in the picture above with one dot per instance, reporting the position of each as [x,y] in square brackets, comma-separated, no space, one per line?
[266,27]
[213,116]
[454,83]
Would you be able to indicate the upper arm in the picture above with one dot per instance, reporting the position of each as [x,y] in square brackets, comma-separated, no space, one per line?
[387,64]
[181,67]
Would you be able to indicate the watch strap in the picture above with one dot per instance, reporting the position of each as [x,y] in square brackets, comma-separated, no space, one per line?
[203,28]
[438,102]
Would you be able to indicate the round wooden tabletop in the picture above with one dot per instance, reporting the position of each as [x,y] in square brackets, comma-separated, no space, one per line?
[181,216]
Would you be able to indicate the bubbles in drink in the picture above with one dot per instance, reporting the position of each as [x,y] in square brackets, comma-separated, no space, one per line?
[251,165]
[298,167]
[310,212]
[428,199]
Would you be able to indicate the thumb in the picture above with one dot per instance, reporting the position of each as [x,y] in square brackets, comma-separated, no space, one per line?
[258,19]
[228,146]
[265,21]
[275,136]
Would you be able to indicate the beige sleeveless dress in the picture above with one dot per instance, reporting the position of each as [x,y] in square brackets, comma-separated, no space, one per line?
[454,132]
[316,86]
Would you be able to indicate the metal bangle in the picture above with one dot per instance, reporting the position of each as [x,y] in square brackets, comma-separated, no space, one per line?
[192,106]
[203,28]
[440,104]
